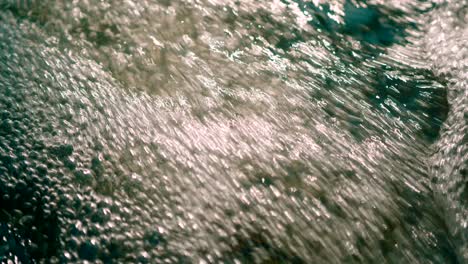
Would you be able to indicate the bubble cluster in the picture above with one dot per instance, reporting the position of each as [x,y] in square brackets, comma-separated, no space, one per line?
[222,131]
[448,51]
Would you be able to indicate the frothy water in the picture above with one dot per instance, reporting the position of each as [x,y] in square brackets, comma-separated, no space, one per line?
[233,131]
[448,52]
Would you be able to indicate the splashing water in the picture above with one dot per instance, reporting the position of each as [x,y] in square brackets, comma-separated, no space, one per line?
[233,131]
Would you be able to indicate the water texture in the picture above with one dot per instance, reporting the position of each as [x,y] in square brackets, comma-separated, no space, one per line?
[233,131]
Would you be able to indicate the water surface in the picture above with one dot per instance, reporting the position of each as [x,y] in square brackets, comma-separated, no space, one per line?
[233,131]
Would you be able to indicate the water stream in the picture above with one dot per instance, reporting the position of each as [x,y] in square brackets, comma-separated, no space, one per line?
[228,131]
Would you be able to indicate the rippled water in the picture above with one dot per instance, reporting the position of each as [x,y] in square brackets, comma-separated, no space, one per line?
[233,131]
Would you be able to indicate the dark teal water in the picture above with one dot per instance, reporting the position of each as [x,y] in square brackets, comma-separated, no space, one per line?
[233,131]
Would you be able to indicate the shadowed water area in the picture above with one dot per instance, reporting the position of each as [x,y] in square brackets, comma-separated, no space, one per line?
[233,131]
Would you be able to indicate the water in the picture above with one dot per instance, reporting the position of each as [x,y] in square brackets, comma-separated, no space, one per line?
[233,131]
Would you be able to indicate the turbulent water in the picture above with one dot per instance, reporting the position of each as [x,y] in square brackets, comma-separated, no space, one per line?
[233,131]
